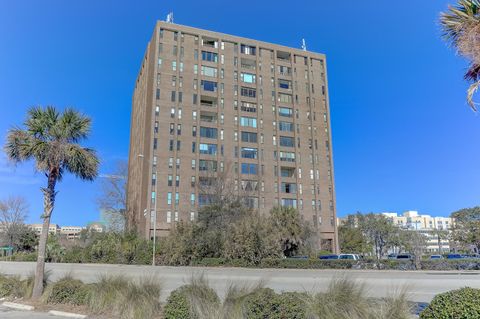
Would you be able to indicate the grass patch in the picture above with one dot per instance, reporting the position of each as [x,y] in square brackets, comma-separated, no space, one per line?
[125,298]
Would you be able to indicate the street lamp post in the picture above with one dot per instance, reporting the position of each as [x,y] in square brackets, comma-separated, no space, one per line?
[154,213]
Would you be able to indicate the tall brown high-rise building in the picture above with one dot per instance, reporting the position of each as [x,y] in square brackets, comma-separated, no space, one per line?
[207,104]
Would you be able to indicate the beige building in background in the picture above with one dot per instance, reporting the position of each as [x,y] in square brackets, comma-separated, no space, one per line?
[437,242]
[53,229]
[207,103]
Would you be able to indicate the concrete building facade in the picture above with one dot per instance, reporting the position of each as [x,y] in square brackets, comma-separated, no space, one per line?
[207,104]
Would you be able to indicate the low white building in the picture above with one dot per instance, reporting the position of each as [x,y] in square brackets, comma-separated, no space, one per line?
[71,232]
[54,229]
[436,229]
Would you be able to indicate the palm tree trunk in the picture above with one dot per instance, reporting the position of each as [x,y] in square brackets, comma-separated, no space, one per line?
[49,199]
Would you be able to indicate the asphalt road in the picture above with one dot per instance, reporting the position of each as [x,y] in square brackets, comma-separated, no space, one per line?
[7,313]
[421,286]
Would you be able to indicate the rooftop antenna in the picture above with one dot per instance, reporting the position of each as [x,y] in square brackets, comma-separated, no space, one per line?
[170,17]
[304,45]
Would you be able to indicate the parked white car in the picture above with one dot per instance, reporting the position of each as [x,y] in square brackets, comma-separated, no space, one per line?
[349,256]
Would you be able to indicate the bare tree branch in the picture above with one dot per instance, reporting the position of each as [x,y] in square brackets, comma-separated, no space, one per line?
[112,200]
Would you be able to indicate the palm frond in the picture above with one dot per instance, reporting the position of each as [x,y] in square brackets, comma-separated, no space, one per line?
[82,162]
[470,93]
[73,126]
[41,121]
[455,21]
[17,146]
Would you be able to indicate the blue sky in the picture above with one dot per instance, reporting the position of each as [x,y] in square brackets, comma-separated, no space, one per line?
[403,137]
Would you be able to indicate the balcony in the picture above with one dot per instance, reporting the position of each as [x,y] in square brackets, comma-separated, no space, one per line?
[208,101]
[283,56]
[208,117]
[248,64]
[209,43]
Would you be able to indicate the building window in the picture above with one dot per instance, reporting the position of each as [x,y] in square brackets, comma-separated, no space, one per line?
[247,49]
[170,162]
[209,86]
[248,121]
[289,188]
[179,129]
[289,202]
[209,71]
[208,166]
[287,156]
[170,180]
[284,84]
[174,65]
[248,152]
[248,107]
[249,169]
[169,198]
[284,70]
[248,77]
[249,137]
[194,164]
[177,180]
[157,95]
[192,199]
[285,126]
[287,171]
[285,98]
[169,217]
[209,149]
[173,96]
[208,132]
[287,141]
[248,92]
[209,56]
[285,111]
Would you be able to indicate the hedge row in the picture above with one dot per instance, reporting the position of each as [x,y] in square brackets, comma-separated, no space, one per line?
[312,263]
[292,263]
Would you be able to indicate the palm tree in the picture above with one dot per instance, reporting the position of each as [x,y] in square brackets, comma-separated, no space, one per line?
[461,29]
[51,140]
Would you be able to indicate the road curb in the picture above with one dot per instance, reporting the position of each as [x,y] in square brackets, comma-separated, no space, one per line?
[18,306]
[66,314]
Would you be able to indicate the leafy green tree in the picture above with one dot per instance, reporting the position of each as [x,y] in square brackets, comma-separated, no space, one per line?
[51,139]
[287,225]
[27,240]
[251,239]
[466,229]
[351,240]
[415,243]
[378,230]
[461,27]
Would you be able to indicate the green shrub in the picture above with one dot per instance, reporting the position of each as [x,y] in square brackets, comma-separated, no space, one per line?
[24,256]
[196,300]
[177,305]
[66,291]
[75,255]
[456,304]
[11,287]
[265,303]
